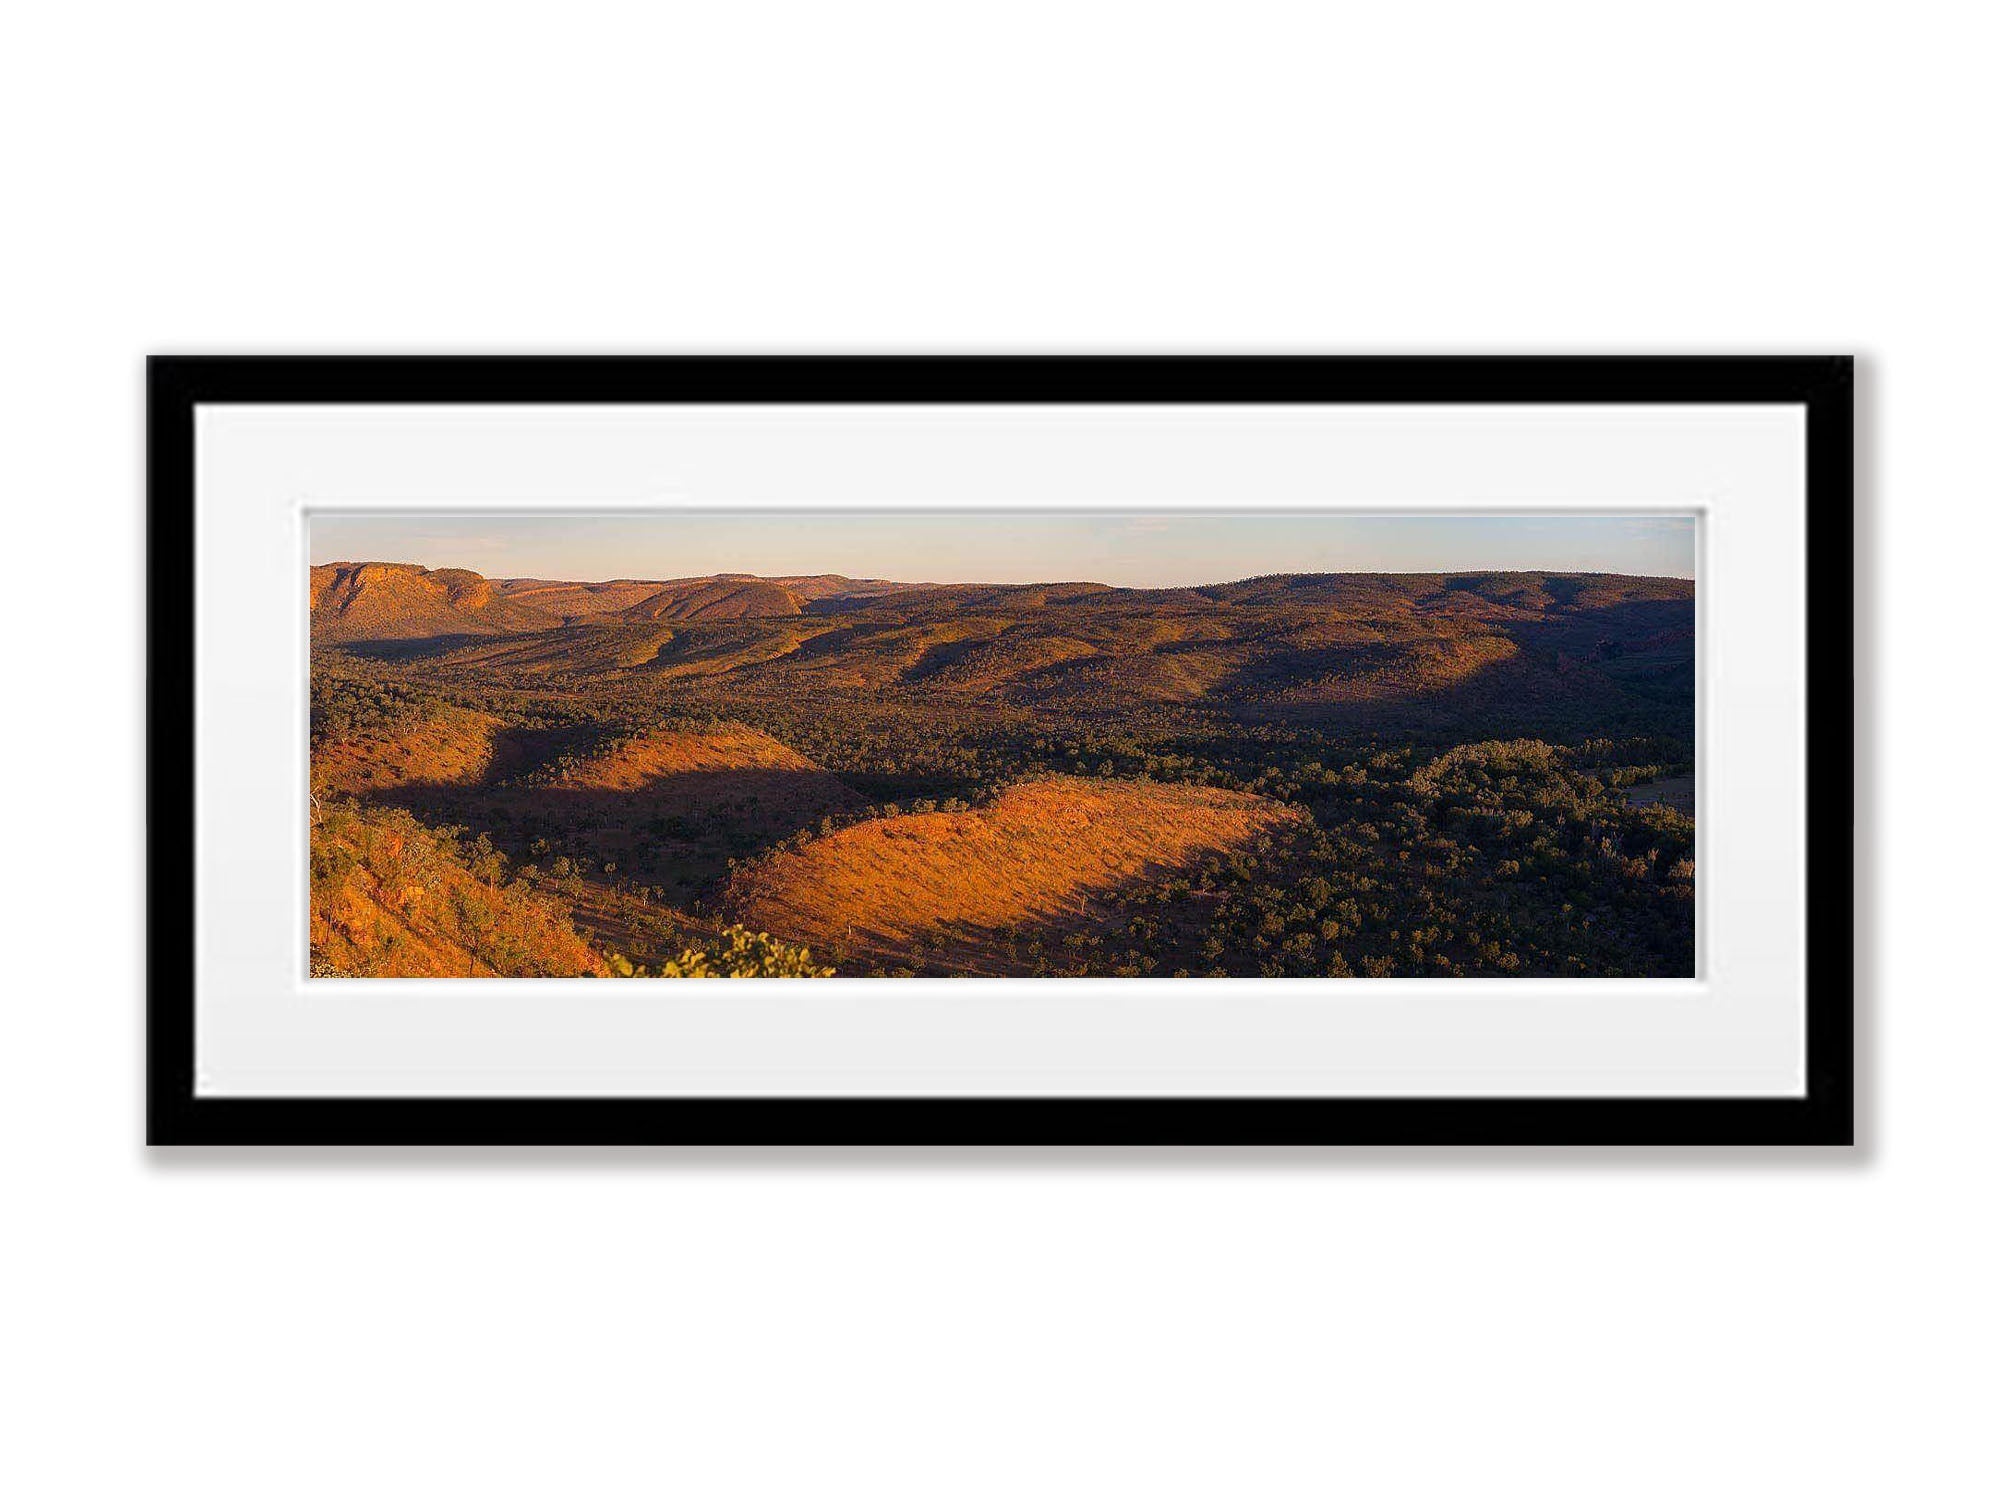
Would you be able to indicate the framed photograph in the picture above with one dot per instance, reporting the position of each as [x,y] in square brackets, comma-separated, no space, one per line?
[1054,750]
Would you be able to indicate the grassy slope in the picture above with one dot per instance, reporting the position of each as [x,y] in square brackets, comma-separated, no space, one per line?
[456,766]
[645,760]
[390,899]
[443,747]
[1036,856]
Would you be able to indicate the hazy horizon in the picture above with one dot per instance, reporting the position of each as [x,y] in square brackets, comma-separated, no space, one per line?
[1124,549]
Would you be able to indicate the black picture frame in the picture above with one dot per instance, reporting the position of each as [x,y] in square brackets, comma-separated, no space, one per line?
[1823,1115]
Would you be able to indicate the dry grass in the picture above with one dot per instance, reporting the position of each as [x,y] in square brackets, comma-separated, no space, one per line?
[453,746]
[713,652]
[740,772]
[391,900]
[717,599]
[639,762]
[1035,857]
[578,601]
[1402,671]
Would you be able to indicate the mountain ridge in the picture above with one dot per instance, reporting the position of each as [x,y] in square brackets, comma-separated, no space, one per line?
[403,601]
[1293,645]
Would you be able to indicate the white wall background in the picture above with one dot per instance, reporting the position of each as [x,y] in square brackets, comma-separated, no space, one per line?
[1529,177]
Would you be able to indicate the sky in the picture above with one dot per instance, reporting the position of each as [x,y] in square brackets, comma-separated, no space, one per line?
[1125,549]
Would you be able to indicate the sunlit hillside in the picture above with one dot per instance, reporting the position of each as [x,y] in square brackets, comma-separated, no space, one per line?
[1039,855]
[392,898]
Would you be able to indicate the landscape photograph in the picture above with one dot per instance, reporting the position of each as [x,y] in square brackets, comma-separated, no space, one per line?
[1058,744]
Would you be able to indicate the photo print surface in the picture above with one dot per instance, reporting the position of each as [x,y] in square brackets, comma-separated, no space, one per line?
[1003,744]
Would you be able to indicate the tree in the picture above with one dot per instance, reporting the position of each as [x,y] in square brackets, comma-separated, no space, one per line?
[738,954]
